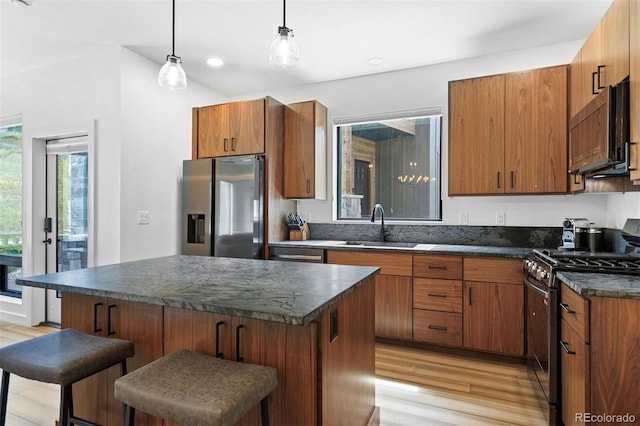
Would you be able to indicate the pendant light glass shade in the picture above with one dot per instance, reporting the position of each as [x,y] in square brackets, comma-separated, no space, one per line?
[284,53]
[171,75]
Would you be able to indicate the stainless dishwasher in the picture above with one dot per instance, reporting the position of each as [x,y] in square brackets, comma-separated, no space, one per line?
[297,254]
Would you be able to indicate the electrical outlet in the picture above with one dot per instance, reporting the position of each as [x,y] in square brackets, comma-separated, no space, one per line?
[501,219]
[143,218]
[464,219]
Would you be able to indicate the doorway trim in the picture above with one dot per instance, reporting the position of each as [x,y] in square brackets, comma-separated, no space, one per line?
[34,258]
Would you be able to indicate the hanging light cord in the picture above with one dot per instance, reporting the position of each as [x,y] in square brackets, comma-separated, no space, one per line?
[173,30]
[284,13]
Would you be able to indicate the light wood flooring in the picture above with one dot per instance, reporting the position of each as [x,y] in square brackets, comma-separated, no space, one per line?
[413,387]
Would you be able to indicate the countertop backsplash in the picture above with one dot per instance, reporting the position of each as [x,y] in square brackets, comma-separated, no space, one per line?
[499,236]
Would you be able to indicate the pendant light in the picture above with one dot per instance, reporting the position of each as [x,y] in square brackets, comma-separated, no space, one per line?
[284,52]
[171,74]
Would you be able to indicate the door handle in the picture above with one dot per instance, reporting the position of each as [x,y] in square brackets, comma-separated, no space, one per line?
[225,145]
[593,83]
[469,296]
[600,68]
[238,357]
[47,241]
[95,317]
[110,332]
[233,144]
[218,325]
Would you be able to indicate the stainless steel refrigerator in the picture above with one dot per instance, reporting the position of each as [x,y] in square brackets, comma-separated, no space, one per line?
[223,207]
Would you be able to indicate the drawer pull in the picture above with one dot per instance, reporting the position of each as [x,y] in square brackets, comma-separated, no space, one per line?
[436,295]
[565,307]
[436,327]
[438,267]
[566,348]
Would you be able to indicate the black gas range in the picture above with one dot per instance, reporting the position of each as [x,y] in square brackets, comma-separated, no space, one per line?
[542,306]
[542,264]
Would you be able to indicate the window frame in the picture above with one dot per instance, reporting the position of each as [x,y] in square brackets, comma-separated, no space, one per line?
[351,120]
[6,260]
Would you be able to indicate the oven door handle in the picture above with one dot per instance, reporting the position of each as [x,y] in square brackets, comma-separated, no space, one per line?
[539,290]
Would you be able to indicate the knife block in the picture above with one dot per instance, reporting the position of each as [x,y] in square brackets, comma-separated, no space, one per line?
[300,235]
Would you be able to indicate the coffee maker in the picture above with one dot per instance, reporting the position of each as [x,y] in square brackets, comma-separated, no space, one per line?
[569,226]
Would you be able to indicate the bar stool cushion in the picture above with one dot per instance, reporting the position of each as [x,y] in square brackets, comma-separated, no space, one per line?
[63,357]
[196,389]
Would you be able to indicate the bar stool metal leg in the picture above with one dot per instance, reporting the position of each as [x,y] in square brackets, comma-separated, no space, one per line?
[129,415]
[65,395]
[264,412]
[4,393]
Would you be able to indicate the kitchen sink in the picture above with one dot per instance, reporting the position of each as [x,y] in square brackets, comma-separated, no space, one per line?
[384,244]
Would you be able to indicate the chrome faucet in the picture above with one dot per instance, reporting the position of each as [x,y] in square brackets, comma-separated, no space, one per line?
[373,219]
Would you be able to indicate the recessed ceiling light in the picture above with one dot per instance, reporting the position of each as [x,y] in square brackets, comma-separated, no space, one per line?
[375,61]
[215,62]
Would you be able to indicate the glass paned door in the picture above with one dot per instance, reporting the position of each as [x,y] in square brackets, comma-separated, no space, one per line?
[67,209]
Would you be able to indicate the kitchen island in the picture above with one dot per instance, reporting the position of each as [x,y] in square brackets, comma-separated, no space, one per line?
[313,322]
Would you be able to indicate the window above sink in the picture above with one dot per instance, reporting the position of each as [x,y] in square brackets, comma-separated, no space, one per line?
[392,159]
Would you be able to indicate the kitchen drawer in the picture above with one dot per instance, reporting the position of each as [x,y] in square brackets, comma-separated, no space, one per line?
[493,270]
[442,328]
[444,267]
[389,263]
[437,295]
[574,309]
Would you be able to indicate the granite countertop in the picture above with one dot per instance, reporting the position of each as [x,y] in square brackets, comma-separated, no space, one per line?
[293,293]
[462,250]
[602,285]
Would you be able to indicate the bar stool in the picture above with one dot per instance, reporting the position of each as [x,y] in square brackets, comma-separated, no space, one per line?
[63,357]
[196,389]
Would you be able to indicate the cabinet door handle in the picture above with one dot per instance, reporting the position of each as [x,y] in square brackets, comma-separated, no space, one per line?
[226,145]
[110,332]
[218,326]
[233,144]
[566,348]
[498,180]
[593,83]
[238,357]
[600,68]
[512,179]
[565,307]
[438,267]
[308,186]
[436,327]
[436,295]
[469,296]
[95,317]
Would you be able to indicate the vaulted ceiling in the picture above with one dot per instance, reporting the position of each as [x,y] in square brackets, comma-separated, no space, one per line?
[336,38]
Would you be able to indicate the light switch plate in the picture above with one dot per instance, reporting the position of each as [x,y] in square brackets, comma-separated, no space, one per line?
[464,219]
[143,218]
[501,219]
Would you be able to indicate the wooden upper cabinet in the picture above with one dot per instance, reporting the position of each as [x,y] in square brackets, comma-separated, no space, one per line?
[634,89]
[305,153]
[236,128]
[476,136]
[508,133]
[591,59]
[615,43]
[536,131]
[575,85]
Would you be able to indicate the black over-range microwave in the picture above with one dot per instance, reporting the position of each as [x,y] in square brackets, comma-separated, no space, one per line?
[599,134]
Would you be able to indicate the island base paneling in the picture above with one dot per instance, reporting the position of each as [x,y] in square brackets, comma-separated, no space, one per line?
[139,322]
[325,368]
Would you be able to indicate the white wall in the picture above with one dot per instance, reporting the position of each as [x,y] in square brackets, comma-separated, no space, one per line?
[156,137]
[428,86]
[142,134]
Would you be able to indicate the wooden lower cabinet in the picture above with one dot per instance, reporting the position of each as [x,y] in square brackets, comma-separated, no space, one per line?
[615,357]
[442,328]
[138,322]
[393,294]
[325,369]
[600,377]
[575,381]
[393,307]
[494,317]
